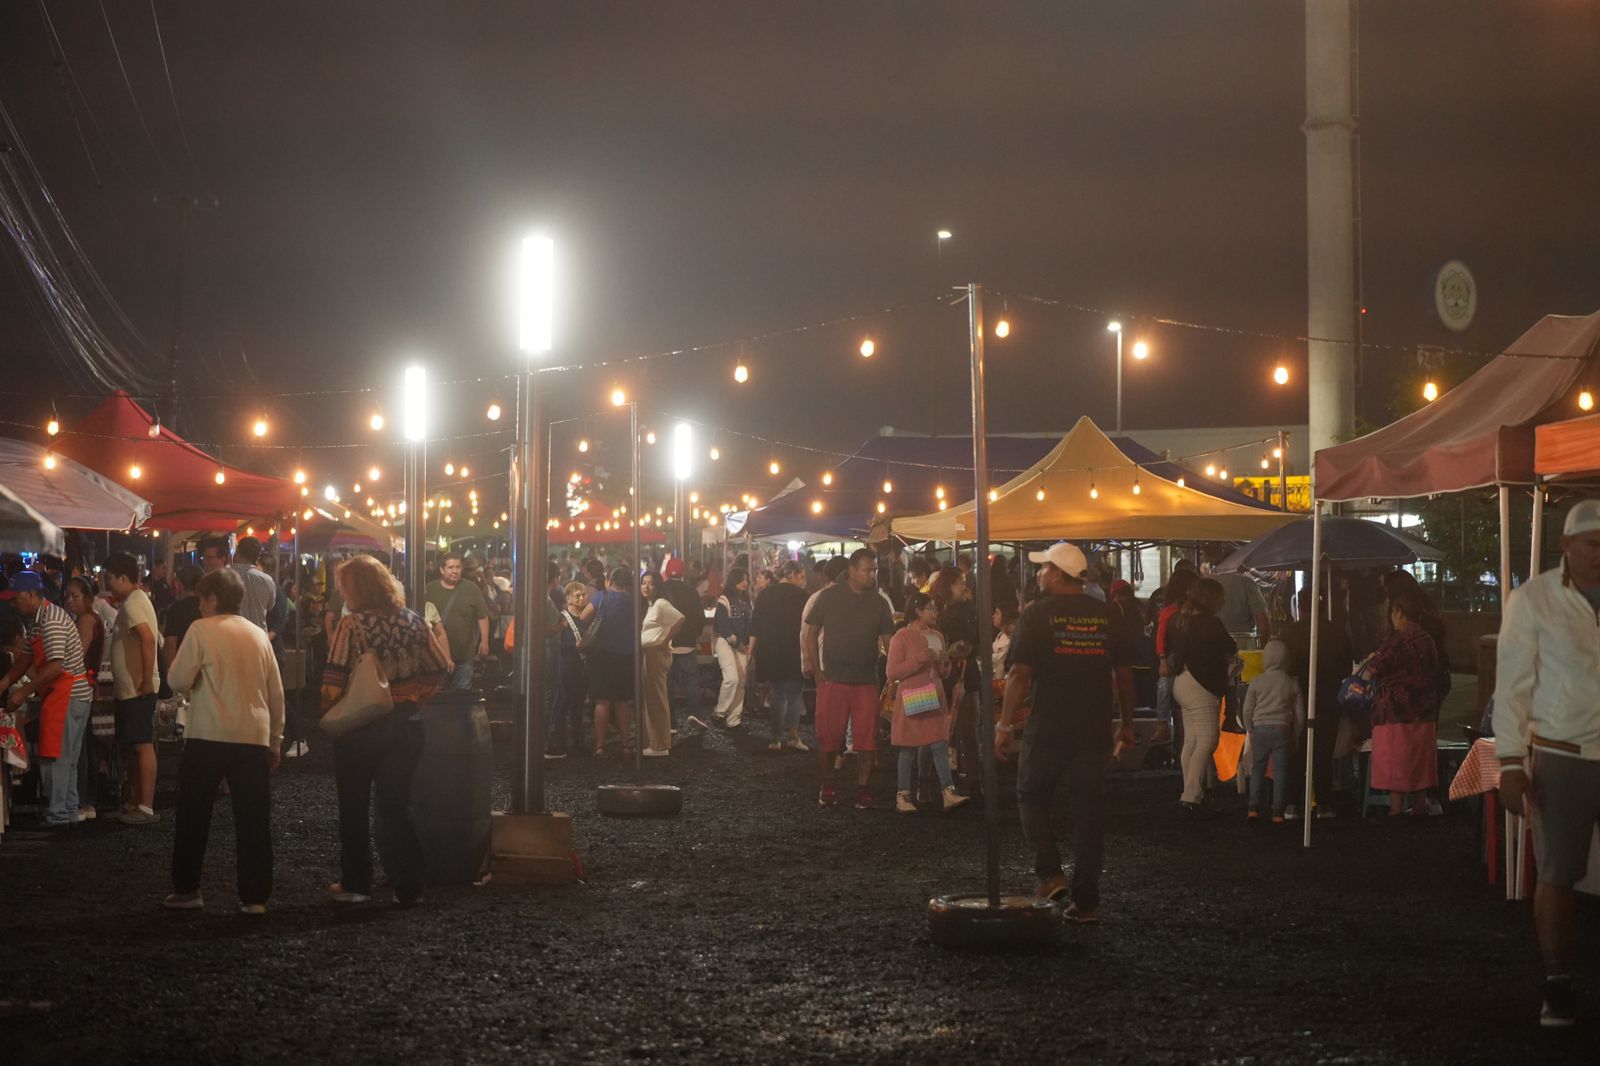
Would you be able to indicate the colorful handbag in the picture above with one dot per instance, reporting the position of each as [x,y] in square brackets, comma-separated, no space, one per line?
[1357,693]
[920,698]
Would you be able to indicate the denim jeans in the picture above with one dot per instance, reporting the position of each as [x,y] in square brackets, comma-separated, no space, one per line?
[788,704]
[685,676]
[1039,771]
[461,678]
[572,689]
[58,778]
[1269,742]
[380,757]
[939,750]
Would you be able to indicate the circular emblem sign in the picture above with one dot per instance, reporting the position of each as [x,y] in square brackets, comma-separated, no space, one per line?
[1455,295]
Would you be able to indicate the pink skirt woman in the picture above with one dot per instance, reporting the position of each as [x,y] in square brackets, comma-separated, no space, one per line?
[1405,756]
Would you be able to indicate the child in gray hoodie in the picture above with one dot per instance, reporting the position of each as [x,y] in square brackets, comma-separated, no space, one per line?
[1274,715]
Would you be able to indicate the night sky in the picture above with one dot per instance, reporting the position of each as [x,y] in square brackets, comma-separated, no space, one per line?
[715,171]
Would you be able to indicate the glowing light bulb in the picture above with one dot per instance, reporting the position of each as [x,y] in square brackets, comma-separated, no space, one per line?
[376,421]
[694,497]
[154,431]
[1281,375]
[219,477]
[618,397]
[1222,475]
[573,478]
[1277,453]
[1211,470]
[1430,391]
[49,460]
[1137,489]
[827,477]
[716,453]
[135,472]
[1181,482]
[888,486]
[52,427]
[741,373]
[465,471]
[993,495]
[299,477]
[773,468]
[816,506]
[1586,400]
[493,412]
[650,437]
[882,507]
[1141,350]
[330,493]
[868,348]
[449,469]
[583,445]
[943,504]
[1002,329]
[1265,462]
[938,492]
[356,487]
[374,474]
[1039,495]
[260,428]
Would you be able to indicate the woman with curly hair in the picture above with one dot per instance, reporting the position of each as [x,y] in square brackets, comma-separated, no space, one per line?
[381,755]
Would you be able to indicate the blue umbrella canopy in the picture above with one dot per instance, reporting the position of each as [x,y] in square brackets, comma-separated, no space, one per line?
[1345,542]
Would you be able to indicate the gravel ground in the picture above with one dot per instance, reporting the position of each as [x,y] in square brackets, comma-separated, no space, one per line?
[760,928]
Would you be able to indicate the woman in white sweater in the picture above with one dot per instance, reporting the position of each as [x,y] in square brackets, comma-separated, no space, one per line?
[233,733]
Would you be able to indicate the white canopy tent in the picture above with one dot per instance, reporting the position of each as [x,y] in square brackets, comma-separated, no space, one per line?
[22,529]
[69,494]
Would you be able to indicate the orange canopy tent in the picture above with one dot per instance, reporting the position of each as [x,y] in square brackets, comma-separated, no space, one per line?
[1570,449]
[178,479]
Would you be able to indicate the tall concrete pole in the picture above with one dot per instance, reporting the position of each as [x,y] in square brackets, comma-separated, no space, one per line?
[1330,221]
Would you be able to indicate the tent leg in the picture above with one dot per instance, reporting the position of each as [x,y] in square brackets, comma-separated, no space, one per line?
[1538,529]
[1505,545]
[1306,813]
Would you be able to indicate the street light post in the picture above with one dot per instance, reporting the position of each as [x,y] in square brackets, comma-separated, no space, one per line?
[536,338]
[415,424]
[682,468]
[1116,327]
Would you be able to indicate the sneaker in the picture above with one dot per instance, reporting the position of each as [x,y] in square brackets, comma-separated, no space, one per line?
[1560,1005]
[1292,813]
[562,754]
[863,800]
[953,799]
[1081,915]
[794,743]
[183,901]
[1253,816]
[337,894]
[776,745]
[828,796]
[1323,813]
[252,908]
[138,816]
[293,751]
[87,814]
[1189,808]
[1052,888]
[698,723]
[903,804]
[657,753]
[1279,819]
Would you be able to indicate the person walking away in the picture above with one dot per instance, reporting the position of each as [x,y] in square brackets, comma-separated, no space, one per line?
[465,618]
[921,718]
[775,653]
[79,597]
[57,677]
[1405,715]
[381,756]
[684,676]
[611,661]
[1078,669]
[235,729]
[732,623]
[1202,650]
[135,642]
[852,621]
[162,595]
[572,684]
[260,591]
[1547,735]
[1244,608]
[1274,717]
[661,621]
[1334,663]
[1174,596]
[958,622]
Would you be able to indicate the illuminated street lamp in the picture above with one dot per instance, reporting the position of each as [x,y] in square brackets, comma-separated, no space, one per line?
[682,470]
[415,427]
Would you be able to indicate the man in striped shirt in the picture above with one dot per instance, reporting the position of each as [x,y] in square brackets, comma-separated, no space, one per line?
[55,675]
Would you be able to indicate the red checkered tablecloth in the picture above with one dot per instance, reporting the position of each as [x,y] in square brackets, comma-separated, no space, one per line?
[1479,773]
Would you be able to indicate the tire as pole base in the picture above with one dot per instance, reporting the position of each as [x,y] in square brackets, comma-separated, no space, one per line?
[639,801]
[971,922]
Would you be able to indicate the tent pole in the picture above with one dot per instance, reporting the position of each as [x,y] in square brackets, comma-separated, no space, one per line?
[1534,553]
[1513,825]
[1306,813]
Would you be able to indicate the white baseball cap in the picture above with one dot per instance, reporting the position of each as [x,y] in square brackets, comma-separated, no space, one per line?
[1067,558]
[1583,518]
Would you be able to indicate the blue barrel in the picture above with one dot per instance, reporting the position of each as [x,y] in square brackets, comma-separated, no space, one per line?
[451,793]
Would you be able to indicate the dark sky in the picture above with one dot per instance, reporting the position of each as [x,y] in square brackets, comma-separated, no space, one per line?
[721,170]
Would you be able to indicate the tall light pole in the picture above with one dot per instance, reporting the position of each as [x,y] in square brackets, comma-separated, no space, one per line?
[415,424]
[536,330]
[682,469]
[1116,327]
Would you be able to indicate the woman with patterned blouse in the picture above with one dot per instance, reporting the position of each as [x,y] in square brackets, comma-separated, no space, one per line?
[1405,718]
[382,754]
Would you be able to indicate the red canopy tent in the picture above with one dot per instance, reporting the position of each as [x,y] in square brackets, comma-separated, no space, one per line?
[176,477]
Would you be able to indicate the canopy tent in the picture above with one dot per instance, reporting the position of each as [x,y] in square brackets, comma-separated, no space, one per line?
[1345,541]
[1566,450]
[1093,491]
[22,529]
[917,468]
[1477,435]
[69,494]
[326,531]
[593,534]
[176,477]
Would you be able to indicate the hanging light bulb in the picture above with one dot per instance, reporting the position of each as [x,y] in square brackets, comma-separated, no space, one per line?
[49,460]
[1430,391]
[694,497]
[449,469]
[1265,463]
[1094,492]
[356,487]
[135,471]
[773,468]
[882,507]
[219,477]
[1039,495]
[993,495]
[53,426]
[464,471]
[155,430]
[1181,481]
[260,428]
[618,397]
[299,477]
[1002,328]
[373,474]
[868,348]
[1222,475]
[827,477]
[1137,490]
[1211,470]
[1281,375]
[716,453]
[376,421]
[816,506]
[330,493]
[1277,453]
[741,373]
[493,412]
[888,486]
[650,436]
[583,444]
[943,504]
[1585,400]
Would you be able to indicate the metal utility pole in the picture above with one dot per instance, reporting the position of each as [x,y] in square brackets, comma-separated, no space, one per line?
[980,497]
[1283,468]
[1330,220]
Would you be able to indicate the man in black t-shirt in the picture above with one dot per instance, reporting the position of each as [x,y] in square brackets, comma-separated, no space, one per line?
[1067,653]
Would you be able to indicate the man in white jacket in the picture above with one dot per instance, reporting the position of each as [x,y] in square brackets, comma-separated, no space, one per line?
[1547,735]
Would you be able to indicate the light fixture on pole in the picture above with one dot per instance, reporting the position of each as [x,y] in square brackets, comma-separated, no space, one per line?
[414,423]
[1115,326]
[682,469]
[989,920]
